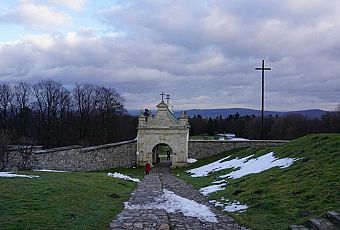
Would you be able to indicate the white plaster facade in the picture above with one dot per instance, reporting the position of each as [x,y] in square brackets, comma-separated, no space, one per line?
[163,128]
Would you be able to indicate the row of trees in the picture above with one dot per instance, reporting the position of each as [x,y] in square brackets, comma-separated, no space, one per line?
[52,115]
[286,127]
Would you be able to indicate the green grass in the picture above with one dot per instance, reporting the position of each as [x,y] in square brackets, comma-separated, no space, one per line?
[278,197]
[63,200]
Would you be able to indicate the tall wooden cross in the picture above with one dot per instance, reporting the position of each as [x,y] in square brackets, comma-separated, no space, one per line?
[162,94]
[262,109]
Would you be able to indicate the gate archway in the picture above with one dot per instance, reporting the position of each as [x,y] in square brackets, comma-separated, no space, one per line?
[165,129]
[161,153]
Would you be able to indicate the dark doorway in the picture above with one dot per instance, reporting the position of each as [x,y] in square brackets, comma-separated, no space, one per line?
[161,153]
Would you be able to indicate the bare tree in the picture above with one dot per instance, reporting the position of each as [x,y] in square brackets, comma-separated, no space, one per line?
[83,98]
[109,101]
[6,101]
[49,98]
[22,94]
[25,150]
[5,139]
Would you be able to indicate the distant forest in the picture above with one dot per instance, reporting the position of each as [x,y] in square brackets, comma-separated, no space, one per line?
[286,127]
[49,114]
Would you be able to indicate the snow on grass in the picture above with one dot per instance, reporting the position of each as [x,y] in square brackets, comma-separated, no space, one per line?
[212,188]
[12,174]
[259,164]
[172,203]
[122,176]
[191,160]
[242,166]
[218,181]
[217,166]
[47,170]
[234,206]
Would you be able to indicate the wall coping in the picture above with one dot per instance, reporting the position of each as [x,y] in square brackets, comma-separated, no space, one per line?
[244,141]
[93,148]
[86,149]
[57,149]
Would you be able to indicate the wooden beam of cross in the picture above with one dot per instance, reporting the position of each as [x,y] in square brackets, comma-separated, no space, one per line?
[162,94]
[262,109]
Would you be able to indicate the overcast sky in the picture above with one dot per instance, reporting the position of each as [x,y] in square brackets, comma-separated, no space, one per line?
[203,53]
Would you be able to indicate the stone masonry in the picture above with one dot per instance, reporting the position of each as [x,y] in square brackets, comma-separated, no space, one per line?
[145,217]
[163,128]
[122,154]
[76,158]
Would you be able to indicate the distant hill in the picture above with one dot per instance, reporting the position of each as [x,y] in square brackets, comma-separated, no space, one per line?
[205,113]
[311,113]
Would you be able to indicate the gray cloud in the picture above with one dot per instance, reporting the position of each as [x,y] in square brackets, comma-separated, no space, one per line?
[204,54]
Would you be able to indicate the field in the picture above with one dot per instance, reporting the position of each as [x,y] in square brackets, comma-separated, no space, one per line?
[279,197]
[276,198]
[63,200]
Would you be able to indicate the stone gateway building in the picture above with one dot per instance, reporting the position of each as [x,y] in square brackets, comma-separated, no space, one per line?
[163,129]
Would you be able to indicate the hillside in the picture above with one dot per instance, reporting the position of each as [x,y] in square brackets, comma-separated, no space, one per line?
[306,185]
[311,113]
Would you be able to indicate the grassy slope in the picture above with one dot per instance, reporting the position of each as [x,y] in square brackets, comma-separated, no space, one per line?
[280,197]
[63,200]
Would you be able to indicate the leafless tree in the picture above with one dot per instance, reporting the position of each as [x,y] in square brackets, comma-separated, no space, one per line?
[5,140]
[84,103]
[109,101]
[22,94]
[25,150]
[50,97]
[6,101]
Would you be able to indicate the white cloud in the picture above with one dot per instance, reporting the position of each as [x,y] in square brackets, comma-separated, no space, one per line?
[35,15]
[72,4]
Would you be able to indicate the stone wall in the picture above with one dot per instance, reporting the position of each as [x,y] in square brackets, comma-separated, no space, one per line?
[202,148]
[122,154]
[75,158]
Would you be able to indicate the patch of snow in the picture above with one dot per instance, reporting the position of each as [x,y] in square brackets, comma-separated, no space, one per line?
[217,203]
[12,174]
[234,206]
[47,170]
[212,188]
[171,203]
[216,166]
[242,166]
[191,160]
[238,139]
[122,176]
[259,164]
[218,182]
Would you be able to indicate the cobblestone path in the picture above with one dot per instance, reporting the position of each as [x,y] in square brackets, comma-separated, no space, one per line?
[152,186]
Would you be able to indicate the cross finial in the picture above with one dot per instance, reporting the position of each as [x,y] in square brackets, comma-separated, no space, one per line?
[167,98]
[162,94]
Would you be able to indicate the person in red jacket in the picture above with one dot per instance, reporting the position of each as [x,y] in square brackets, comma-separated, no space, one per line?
[147,168]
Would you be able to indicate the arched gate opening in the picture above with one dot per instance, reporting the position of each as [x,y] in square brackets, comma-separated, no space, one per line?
[161,153]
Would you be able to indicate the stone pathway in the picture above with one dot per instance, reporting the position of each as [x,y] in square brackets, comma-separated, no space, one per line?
[152,186]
